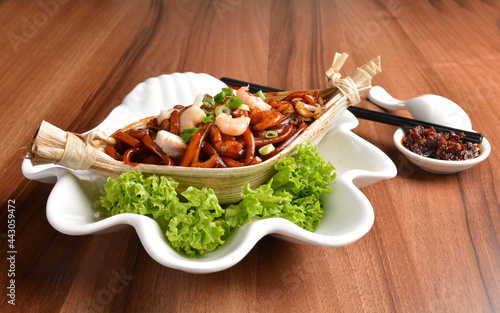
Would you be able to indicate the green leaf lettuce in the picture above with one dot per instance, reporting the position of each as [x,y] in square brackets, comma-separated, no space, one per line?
[195,223]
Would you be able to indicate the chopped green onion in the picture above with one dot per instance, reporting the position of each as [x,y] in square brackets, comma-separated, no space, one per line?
[209,102]
[260,95]
[228,91]
[234,102]
[222,109]
[221,96]
[208,118]
[188,133]
[271,134]
[266,149]
[207,112]
[244,107]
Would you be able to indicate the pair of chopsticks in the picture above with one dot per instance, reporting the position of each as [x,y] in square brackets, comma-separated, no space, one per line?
[381,117]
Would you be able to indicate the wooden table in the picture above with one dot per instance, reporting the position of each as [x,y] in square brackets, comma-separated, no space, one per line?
[434,246]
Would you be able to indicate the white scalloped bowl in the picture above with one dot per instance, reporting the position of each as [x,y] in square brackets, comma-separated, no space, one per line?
[348,213]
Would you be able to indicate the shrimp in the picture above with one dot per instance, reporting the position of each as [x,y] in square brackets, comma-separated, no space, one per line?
[164,115]
[232,126]
[198,101]
[307,110]
[192,116]
[171,144]
[251,100]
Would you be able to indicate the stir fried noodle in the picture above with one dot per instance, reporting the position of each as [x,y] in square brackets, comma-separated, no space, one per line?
[225,130]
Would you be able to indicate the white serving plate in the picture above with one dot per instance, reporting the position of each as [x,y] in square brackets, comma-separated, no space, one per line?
[348,213]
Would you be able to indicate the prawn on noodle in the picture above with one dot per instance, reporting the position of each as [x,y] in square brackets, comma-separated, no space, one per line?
[225,130]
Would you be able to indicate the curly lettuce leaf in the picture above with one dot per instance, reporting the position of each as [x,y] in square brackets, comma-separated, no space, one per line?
[195,223]
[133,192]
[294,191]
[304,173]
[198,229]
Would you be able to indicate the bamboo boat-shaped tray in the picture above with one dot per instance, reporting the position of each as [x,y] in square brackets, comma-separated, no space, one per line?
[78,151]
[348,213]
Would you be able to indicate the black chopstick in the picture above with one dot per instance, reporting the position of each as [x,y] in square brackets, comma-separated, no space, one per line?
[408,123]
[253,87]
[381,117]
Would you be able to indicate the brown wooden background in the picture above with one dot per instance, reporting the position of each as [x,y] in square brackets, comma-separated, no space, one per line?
[434,246]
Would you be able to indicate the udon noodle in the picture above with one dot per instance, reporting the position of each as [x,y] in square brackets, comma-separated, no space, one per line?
[225,130]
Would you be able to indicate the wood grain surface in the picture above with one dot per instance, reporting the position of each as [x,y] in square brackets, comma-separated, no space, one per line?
[434,246]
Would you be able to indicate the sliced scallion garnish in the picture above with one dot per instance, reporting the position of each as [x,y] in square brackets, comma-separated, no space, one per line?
[266,149]
[208,118]
[244,107]
[221,96]
[228,91]
[260,95]
[234,102]
[188,133]
[271,134]
[207,112]
[208,102]
[222,109]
